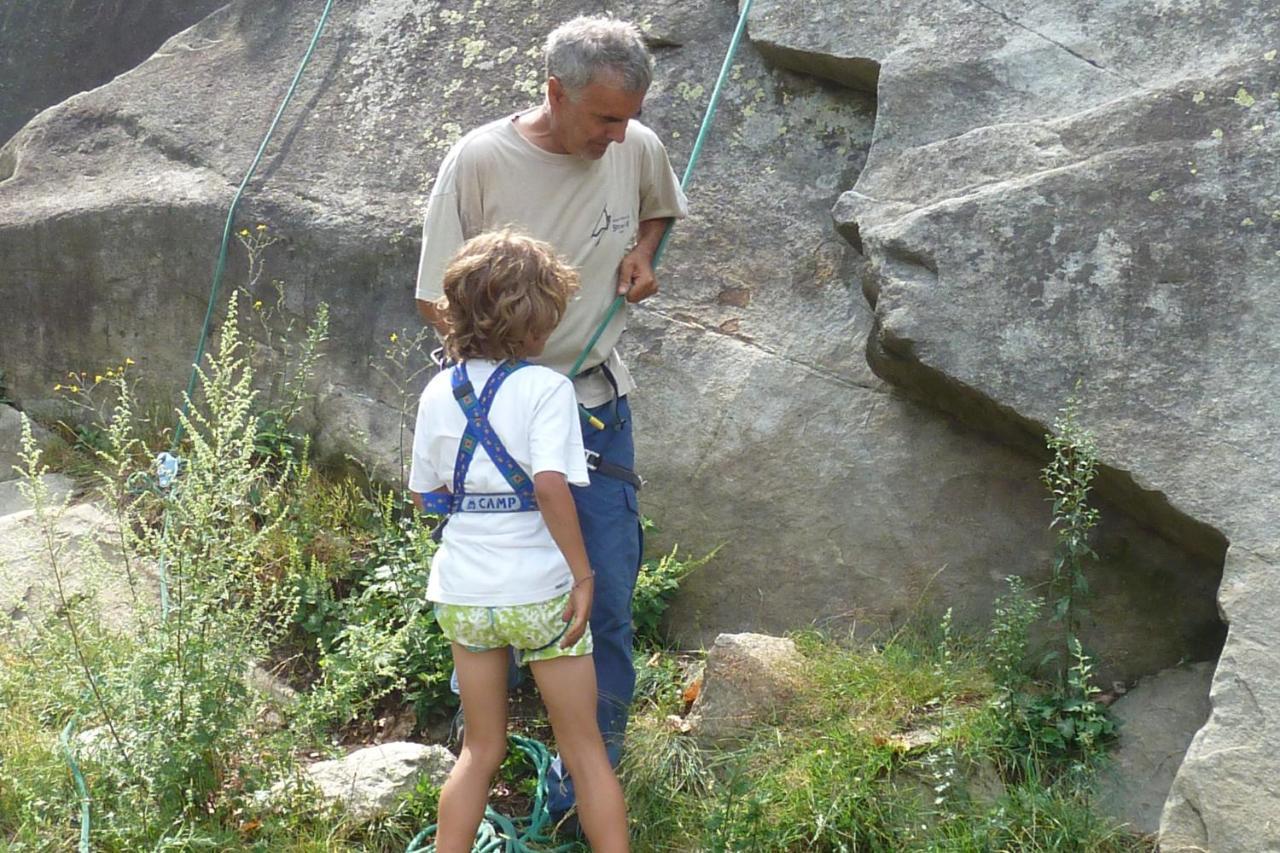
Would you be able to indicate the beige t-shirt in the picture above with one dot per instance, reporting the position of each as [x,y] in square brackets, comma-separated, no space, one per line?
[589,210]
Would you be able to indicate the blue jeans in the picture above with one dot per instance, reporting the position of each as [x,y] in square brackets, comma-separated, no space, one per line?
[610,519]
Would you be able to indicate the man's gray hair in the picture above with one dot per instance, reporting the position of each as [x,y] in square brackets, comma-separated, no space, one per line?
[582,48]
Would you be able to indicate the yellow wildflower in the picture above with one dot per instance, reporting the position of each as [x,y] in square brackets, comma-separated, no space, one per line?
[97,378]
[74,389]
[129,361]
[58,387]
[257,305]
[394,337]
[244,232]
[261,227]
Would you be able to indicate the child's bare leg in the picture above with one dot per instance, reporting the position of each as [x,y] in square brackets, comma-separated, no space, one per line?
[482,677]
[568,687]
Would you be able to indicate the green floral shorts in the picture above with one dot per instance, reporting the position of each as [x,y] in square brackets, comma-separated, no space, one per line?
[533,630]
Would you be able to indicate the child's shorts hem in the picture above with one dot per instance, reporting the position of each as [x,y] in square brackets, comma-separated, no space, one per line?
[533,630]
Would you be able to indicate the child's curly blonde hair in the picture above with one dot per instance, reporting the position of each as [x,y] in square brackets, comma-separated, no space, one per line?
[501,290]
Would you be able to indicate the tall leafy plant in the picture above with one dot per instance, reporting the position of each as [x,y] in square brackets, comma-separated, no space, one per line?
[170,690]
[1069,479]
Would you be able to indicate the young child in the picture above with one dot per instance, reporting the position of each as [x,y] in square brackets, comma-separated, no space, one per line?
[497,443]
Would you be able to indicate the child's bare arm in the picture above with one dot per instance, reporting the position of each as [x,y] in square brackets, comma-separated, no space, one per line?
[555,501]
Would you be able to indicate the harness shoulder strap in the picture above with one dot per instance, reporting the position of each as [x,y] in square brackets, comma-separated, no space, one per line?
[480,432]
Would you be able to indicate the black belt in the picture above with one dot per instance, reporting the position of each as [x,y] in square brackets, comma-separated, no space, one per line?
[602,466]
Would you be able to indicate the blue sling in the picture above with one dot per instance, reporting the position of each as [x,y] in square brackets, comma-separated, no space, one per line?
[479,432]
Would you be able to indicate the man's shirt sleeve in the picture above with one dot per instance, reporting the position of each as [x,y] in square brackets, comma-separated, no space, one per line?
[442,230]
[660,193]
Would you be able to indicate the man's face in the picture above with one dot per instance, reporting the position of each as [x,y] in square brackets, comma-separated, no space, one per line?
[586,121]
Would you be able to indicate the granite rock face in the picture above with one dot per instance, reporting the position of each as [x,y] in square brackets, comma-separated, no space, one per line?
[760,423]
[1157,720]
[840,500]
[1072,191]
[49,51]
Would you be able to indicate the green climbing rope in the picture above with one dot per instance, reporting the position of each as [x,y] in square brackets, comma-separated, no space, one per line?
[218,271]
[221,265]
[707,119]
[501,834]
[81,788]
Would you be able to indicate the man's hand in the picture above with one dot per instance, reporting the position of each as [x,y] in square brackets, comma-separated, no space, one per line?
[636,280]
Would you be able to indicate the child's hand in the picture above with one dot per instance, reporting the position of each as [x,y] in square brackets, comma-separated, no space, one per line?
[577,611]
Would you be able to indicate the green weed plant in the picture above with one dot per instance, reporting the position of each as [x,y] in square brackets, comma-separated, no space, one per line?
[1069,480]
[897,745]
[164,701]
[656,586]
[380,636]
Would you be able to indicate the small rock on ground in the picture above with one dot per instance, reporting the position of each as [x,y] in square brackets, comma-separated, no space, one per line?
[749,679]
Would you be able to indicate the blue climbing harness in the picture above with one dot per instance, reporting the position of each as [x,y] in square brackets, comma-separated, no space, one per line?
[479,432]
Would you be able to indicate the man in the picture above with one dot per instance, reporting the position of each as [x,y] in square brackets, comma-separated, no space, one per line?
[580,173]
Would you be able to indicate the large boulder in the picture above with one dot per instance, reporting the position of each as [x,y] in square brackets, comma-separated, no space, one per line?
[52,49]
[1092,203]
[761,425]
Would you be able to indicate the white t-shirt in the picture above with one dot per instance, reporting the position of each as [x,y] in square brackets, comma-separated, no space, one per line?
[589,210]
[504,558]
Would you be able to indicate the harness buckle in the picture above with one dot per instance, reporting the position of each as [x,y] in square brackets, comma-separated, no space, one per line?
[440,359]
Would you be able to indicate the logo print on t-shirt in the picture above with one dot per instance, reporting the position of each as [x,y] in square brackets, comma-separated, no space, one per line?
[602,224]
